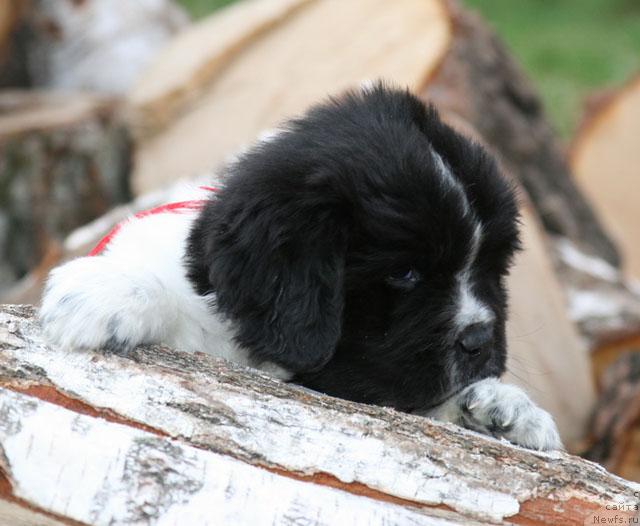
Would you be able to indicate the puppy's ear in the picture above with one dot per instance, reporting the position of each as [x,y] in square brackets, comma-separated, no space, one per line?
[273,254]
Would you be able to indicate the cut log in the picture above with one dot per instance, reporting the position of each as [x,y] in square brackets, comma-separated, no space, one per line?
[66,161]
[605,157]
[274,58]
[481,82]
[616,423]
[166,437]
[284,45]
[183,69]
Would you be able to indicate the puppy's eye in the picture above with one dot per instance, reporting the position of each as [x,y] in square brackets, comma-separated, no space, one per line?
[404,279]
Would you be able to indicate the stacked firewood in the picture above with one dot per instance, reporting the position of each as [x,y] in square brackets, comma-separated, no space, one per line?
[68,159]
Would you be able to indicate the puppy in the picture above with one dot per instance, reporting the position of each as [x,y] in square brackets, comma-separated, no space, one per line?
[361,252]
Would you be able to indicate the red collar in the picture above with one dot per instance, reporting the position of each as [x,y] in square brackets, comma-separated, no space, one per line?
[180,207]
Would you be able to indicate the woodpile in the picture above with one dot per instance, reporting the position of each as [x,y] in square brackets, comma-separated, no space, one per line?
[189,115]
[218,85]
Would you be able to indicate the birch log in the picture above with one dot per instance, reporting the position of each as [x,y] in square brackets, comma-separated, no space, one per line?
[164,437]
[97,45]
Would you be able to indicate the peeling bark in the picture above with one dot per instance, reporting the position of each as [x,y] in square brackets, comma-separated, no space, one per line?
[165,437]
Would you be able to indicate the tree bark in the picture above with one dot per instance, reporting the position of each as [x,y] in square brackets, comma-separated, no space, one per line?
[164,437]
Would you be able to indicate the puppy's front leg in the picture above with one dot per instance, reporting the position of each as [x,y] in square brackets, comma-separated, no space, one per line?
[102,302]
[503,411]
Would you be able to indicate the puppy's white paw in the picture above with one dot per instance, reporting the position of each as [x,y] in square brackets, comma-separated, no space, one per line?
[505,411]
[93,303]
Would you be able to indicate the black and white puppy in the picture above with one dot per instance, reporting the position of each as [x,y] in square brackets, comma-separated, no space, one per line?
[360,252]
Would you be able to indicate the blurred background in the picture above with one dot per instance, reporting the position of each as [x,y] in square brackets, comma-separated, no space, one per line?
[109,107]
[569,48]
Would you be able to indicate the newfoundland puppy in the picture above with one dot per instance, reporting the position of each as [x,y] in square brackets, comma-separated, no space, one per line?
[361,251]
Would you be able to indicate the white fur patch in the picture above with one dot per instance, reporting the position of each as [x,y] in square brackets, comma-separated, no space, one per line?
[367,85]
[451,182]
[470,309]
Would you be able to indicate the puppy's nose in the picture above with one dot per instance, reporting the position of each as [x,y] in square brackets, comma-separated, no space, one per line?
[476,337]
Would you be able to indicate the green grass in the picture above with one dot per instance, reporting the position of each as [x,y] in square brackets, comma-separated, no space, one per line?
[569,48]
[200,8]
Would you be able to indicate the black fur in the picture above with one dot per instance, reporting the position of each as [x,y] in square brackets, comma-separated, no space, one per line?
[309,245]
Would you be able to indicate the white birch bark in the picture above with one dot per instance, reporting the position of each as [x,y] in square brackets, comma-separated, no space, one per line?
[163,437]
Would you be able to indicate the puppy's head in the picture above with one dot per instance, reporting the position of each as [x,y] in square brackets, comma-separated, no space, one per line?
[364,249]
